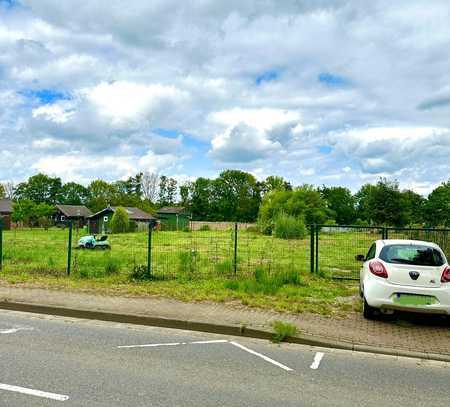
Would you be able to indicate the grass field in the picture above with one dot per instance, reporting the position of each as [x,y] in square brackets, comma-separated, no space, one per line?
[271,273]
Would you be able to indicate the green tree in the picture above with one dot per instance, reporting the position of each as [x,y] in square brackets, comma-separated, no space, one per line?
[2,191]
[120,221]
[341,203]
[236,196]
[74,194]
[40,188]
[437,206]
[274,182]
[100,195]
[23,211]
[303,202]
[414,207]
[201,199]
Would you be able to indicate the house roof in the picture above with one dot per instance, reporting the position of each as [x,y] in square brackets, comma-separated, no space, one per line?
[73,211]
[6,205]
[171,209]
[133,213]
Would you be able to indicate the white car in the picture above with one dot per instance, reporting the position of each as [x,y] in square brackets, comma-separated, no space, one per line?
[408,275]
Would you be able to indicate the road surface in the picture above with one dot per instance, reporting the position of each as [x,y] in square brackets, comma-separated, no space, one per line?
[55,361]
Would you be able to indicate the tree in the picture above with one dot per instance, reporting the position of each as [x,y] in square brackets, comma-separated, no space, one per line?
[274,182]
[437,206]
[341,203]
[236,196]
[303,202]
[149,186]
[40,188]
[185,194]
[414,205]
[201,199]
[120,221]
[2,191]
[31,214]
[100,195]
[9,189]
[167,191]
[74,194]
[382,204]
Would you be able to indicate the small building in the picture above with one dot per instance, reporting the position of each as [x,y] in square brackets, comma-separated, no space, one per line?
[100,222]
[173,218]
[78,214]
[6,209]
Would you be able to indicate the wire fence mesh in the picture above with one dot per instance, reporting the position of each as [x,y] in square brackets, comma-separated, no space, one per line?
[201,253]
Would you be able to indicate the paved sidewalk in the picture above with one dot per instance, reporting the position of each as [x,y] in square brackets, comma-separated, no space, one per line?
[427,334]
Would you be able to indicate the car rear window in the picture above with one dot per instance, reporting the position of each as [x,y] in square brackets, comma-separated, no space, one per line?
[412,254]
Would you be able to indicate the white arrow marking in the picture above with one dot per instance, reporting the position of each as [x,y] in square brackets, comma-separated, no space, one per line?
[31,392]
[317,359]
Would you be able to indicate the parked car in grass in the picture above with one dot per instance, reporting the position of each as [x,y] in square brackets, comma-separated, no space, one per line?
[92,242]
[407,275]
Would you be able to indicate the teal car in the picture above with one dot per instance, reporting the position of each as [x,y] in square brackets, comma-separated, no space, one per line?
[92,242]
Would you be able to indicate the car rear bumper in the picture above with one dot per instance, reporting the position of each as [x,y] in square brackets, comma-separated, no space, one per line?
[381,294]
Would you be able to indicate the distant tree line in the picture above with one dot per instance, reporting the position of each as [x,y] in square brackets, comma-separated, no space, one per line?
[238,196]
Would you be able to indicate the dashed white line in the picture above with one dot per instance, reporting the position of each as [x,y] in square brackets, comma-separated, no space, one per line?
[206,342]
[266,358]
[32,392]
[317,359]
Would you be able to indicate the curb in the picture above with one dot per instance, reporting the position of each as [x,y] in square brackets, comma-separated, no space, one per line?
[212,328]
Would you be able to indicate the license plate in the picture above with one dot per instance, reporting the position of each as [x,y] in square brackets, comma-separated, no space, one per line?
[413,299]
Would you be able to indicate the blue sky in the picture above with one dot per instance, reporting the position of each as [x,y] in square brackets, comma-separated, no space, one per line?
[329,92]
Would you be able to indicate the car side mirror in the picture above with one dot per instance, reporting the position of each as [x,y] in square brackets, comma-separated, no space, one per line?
[360,257]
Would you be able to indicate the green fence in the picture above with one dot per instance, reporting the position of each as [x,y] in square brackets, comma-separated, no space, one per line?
[334,247]
[327,250]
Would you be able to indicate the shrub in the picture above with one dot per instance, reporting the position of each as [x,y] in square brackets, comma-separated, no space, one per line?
[283,330]
[289,227]
[112,266]
[224,267]
[204,228]
[187,262]
[120,221]
[140,273]
[253,229]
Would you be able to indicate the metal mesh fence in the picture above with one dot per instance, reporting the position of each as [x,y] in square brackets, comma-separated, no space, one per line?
[240,251]
[337,247]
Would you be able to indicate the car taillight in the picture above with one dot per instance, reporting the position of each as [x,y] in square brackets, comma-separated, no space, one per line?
[378,269]
[445,278]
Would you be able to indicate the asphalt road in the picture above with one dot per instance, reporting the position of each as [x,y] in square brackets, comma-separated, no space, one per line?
[90,363]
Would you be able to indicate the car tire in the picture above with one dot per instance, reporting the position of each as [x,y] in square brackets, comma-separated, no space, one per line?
[88,245]
[368,311]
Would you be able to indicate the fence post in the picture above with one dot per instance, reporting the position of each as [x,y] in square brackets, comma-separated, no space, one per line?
[149,250]
[1,243]
[311,244]
[235,247]
[317,249]
[69,249]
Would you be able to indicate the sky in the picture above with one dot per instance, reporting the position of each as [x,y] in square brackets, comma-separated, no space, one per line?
[317,91]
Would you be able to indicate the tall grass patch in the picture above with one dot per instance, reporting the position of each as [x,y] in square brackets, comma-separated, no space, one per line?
[289,227]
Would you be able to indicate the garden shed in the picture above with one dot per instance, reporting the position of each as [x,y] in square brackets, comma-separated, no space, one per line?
[76,213]
[6,209]
[173,218]
[100,222]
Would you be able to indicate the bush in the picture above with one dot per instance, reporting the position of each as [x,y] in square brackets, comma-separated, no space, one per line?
[204,228]
[140,273]
[289,227]
[120,221]
[188,262]
[283,330]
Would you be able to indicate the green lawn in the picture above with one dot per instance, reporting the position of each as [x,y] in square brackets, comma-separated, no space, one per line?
[193,266]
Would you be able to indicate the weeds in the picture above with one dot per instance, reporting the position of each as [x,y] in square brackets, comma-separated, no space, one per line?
[283,330]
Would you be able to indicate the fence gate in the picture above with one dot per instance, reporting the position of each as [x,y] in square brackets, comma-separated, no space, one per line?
[336,246]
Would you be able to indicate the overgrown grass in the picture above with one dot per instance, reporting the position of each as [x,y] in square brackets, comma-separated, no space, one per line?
[191,266]
[283,330]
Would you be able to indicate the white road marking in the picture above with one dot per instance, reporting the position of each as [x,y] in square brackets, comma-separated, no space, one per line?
[14,330]
[266,358]
[151,345]
[206,342]
[317,359]
[31,392]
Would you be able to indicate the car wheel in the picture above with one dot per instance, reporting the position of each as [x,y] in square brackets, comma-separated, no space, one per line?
[89,245]
[368,311]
